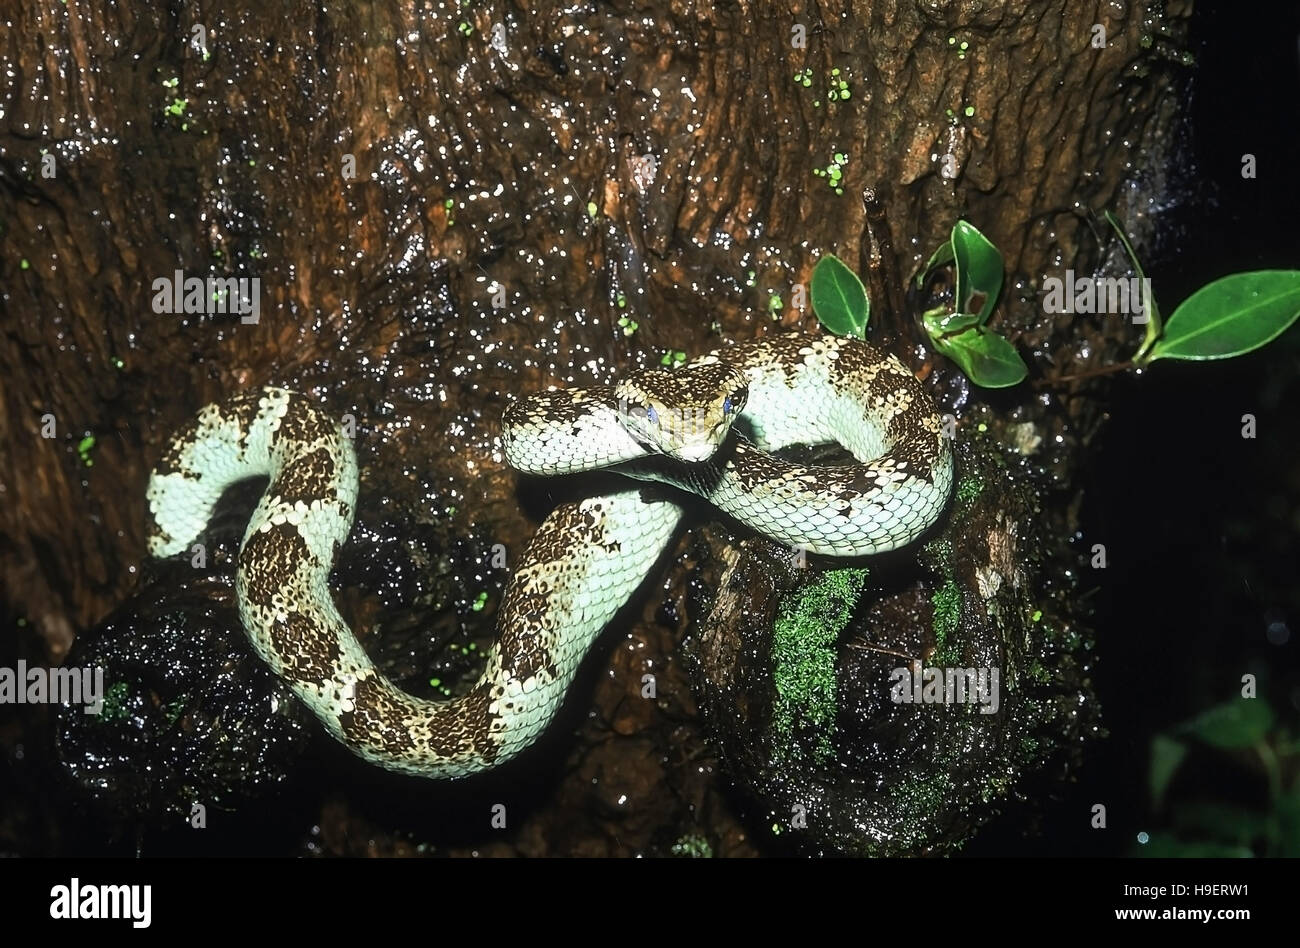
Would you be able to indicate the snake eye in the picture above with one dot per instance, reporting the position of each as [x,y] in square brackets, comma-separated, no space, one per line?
[726,405]
[651,415]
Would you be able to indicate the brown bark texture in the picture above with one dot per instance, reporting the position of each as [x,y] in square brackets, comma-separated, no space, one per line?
[447,206]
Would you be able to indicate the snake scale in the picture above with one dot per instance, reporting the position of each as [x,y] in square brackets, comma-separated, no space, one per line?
[705,427]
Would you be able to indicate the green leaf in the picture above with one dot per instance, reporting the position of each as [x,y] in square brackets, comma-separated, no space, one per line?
[938,259]
[979,270]
[987,359]
[941,323]
[838,298]
[1230,726]
[1154,325]
[1166,756]
[1231,316]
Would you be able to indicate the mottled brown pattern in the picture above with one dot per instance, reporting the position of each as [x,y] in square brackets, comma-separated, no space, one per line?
[473,731]
[858,364]
[522,646]
[304,424]
[555,538]
[308,650]
[375,720]
[307,478]
[244,408]
[379,721]
[775,354]
[561,408]
[171,460]
[753,468]
[856,359]
[913,445]
[269,561]
[690,383]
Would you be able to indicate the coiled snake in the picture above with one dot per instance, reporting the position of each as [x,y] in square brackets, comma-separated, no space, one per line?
[587,557]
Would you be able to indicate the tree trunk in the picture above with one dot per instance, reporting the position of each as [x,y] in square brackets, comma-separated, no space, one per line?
[448,209]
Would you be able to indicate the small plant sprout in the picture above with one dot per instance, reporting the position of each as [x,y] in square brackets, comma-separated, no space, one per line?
[672,358]
[987,358]
[839,298]
[1229,317]
[628,325]
[838,90]
[834,172]
[803,77]
[841,304]
[84,447]
[479,602]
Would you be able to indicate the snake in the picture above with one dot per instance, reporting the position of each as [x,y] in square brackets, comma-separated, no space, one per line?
[708,427]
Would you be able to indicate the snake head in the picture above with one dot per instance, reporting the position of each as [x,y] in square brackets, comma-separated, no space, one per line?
[685,413]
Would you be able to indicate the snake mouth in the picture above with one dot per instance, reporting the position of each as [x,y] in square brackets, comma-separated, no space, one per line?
[695,453]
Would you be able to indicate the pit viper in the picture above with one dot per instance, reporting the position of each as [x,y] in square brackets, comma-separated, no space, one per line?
[707,427]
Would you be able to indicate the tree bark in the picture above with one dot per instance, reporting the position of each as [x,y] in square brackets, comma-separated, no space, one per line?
[526,176]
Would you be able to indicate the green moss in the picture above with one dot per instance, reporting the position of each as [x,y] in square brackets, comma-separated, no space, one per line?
[114,703]
[172,710]
[803,662]
[939,557]
[968,489]
[917,799]
[1038,674]
[947,619]
[692,846]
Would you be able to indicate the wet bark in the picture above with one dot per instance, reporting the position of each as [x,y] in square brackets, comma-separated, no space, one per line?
[525,176]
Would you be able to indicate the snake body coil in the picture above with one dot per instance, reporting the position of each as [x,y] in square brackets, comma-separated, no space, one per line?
[588,557]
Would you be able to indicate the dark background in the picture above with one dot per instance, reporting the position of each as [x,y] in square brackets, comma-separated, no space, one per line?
[1201,527]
